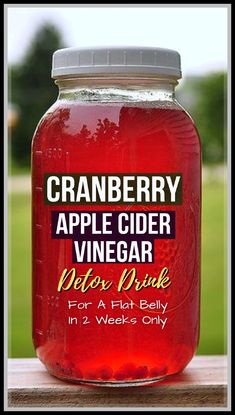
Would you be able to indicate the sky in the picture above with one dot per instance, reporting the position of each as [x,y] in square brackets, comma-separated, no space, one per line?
[199,34]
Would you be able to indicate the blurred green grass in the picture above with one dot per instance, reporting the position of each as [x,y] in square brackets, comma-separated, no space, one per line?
[213,278]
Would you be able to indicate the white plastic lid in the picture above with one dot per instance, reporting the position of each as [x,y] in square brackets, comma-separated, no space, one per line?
[115,59]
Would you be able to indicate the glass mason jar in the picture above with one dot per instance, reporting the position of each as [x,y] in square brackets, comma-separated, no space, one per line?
[116,189]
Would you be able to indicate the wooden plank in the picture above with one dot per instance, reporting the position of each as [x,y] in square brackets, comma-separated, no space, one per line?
[202,384]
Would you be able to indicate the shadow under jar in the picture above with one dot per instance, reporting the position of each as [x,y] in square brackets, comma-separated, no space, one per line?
[116,188]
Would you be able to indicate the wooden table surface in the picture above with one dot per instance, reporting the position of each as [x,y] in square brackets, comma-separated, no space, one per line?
[202,384]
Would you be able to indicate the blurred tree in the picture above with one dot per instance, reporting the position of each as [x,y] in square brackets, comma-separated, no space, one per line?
[32,89]
[205,98]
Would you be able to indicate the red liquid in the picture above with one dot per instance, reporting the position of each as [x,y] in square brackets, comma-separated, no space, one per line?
[97,138]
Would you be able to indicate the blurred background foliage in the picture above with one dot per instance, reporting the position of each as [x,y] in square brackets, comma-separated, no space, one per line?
[206,99]
[32,91]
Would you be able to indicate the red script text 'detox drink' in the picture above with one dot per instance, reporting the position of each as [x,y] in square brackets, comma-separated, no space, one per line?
[116,186]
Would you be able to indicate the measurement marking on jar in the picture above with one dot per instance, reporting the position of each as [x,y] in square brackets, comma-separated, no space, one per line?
[38,226]
[38,152]
[39,296]
[54,152]
[38,261]
[38,189]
